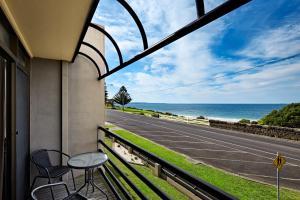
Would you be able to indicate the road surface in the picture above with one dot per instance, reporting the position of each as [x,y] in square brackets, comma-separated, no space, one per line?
[240,153]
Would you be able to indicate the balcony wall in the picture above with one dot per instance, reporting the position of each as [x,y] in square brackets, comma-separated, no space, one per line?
[45,104]
[67,104]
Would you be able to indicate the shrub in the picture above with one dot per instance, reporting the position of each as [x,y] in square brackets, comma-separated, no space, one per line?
[244,121]
[254,122]
[288,116]
[141,113]
[155,115]
[200,117]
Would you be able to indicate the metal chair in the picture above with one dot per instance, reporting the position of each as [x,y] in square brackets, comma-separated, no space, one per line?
[41,160]
[69,196]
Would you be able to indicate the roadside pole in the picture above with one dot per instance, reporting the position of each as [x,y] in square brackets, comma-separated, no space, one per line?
[278,193]
[279,161]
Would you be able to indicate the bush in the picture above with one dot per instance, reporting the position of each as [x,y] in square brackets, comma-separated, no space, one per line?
[288,116]
[155,115]
[254,122]
[141,113]
[200,117]
[244,121]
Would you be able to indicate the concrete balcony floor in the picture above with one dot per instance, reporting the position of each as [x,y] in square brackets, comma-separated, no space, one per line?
[60,192]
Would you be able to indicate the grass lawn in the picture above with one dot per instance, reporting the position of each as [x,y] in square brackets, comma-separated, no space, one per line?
[135,110]
[162,115]
[160,183]
[235,185]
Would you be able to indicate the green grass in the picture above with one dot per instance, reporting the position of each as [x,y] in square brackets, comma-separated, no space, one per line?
[135,110]
[160,183]
[235,185]
[162,115]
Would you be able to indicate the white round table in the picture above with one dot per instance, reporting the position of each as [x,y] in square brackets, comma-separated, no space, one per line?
[88,162]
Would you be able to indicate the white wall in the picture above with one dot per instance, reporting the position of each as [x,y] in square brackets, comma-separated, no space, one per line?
[45,107]
[67,103]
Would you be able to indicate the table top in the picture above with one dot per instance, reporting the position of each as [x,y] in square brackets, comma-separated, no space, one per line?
[87,160]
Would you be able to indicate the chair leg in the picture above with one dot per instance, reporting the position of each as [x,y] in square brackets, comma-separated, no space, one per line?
[33,182]
[73,180]
[52,194]
[32,186]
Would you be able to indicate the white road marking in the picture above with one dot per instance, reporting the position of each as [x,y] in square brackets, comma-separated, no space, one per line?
[150,131]
[166,136]
[189,142]
[179,130]
[274,177]
[190,148]
[232,160]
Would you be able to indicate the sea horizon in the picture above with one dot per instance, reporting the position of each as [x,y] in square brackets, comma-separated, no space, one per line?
[220,111]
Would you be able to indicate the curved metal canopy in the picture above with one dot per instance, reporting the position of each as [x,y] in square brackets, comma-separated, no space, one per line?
[95,26]
[99,53]
[201,20]
[137,21]
[91,59]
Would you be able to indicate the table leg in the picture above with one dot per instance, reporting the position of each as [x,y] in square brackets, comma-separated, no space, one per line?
[89,180]
[99,189]
[85,182]
[93,180]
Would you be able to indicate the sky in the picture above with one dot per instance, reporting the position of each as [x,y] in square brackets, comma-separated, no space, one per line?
[251,55]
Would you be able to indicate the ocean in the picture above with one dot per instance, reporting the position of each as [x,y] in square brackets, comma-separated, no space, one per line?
[227,112]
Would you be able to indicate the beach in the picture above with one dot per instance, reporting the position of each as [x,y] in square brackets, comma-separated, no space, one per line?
[224,112]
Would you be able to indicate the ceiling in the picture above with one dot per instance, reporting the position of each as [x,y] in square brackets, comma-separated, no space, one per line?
[48,28]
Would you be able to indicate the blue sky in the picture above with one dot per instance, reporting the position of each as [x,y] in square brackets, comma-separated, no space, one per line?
[223,62]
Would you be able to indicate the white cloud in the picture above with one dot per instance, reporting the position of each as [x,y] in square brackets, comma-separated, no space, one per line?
[191,60]
[275,43]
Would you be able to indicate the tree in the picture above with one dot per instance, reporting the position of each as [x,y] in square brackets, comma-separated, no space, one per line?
[105,93]
[122,97]
[288,116]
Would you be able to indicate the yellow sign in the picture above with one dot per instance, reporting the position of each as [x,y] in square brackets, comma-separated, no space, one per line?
[279,161]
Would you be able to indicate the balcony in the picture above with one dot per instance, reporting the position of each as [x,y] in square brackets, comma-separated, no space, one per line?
[52,74]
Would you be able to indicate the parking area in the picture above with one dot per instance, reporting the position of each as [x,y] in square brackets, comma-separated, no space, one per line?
[240,153]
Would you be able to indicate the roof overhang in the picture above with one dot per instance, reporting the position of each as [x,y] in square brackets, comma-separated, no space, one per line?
[50,29]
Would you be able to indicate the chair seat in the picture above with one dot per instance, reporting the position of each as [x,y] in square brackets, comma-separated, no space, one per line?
[56,171]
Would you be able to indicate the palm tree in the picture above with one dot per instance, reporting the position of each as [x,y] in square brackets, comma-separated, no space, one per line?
[122,97]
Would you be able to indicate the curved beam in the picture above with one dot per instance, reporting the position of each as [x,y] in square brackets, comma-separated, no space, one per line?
[200,8]
[110,38]
[99,53]
[91,59]
[137,21]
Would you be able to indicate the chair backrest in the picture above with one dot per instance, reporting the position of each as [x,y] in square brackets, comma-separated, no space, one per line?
[41,158]
[34,192]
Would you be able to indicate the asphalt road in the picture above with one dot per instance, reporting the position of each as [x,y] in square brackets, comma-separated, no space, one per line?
[240,153]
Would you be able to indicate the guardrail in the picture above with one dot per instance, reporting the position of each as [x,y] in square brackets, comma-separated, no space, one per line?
[198,187]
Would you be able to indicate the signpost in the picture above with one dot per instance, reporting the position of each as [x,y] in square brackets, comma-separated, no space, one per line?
[279,161]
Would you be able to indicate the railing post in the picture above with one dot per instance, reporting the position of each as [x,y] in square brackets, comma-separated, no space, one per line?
[130,150]
[100,136]
[157,170]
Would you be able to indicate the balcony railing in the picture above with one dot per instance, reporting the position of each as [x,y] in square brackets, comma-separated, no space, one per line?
[193,184]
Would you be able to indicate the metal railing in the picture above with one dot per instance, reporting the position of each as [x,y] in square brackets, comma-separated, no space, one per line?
[193,184]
